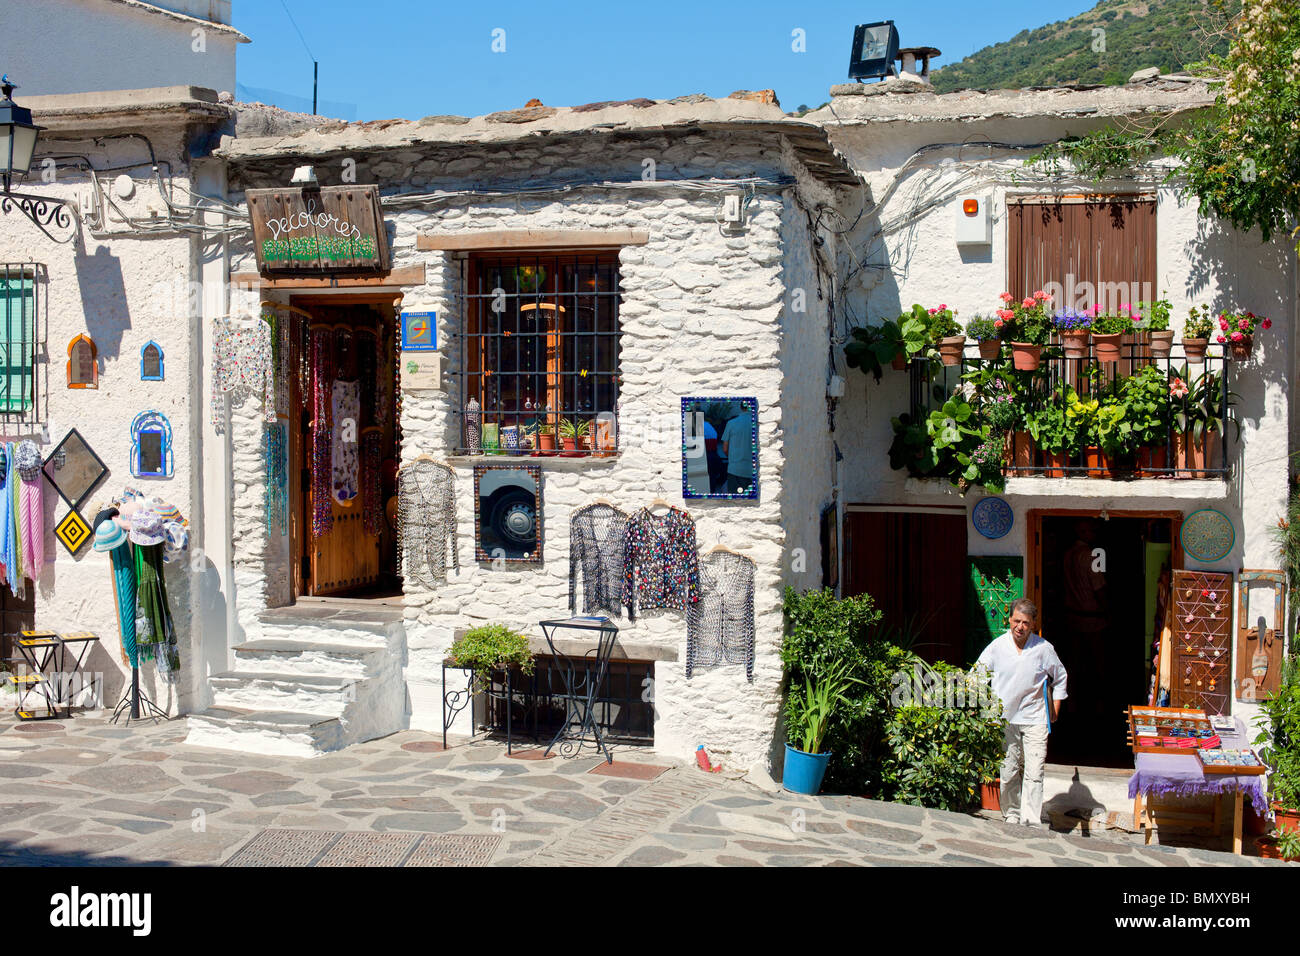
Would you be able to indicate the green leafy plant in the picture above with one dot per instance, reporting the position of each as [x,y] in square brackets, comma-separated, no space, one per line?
[1110,323]
[1082,412]
[1279,736]
[822,697]
[1200,407]
[1054,431]
[1286,536]
[941,750]
[1288,844]
[491,646]
[1199,324]
[941,323]
[573,427]
[1114,430]
[913,448]
[1155,315]
[1146,402]
[871,347]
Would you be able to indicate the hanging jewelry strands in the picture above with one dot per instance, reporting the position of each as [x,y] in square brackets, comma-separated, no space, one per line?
[277,477]
[322,386]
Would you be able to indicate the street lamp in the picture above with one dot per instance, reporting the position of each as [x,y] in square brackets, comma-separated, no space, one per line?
[17,144]
[17,135]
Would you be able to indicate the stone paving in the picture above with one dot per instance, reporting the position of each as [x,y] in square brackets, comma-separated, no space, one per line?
[86,792]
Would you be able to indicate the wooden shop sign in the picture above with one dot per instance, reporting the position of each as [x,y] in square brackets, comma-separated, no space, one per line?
[313,230]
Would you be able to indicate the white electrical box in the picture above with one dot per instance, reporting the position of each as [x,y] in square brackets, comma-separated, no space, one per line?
[974,221]
[731,208]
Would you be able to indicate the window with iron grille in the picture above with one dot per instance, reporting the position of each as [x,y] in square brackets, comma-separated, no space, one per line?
[20,289]
[540,349]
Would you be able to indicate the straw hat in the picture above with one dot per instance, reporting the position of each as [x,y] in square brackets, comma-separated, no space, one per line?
[27,458]
[109,535]
[146,528]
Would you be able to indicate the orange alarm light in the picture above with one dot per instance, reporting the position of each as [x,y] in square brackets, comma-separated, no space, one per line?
[970,206]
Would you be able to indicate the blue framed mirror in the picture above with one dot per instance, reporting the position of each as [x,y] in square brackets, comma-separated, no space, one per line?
[151,446]
[720,447]
[151,362]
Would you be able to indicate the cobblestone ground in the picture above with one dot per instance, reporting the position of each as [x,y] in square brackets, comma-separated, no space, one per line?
[86,792]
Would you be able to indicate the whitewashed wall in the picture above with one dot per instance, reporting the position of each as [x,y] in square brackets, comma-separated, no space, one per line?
[1198,262]
[702,314]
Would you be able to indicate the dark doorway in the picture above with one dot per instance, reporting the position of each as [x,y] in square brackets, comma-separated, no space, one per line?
[1097,608]
[913,564]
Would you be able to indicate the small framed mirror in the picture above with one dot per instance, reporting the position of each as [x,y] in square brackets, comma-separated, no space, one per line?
[151,362]
[83,363]
[151,446]
[720,448]
[508,513]
[74,469]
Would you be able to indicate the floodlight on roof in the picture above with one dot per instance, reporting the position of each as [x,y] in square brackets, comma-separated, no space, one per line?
[875,47]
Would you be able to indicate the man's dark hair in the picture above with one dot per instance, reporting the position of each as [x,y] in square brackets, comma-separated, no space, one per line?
[1025,607]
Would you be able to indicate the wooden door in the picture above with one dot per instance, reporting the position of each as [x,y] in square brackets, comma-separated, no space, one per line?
[913,564]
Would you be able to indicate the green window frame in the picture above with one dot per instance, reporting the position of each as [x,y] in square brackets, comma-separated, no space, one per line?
[18,321]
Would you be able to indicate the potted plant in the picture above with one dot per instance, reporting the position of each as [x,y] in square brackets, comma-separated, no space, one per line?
[1146,401]
[491,647]
[1055,433]
[986,336]
[1115,435]
[1108,332]
[1155,321]
[1279,742]
[816,704]
[571,429]
[544,437]
[1027,326]
[872,346]
[946,335]
[1199,411]
[1237,331]
[1196,334]
[1001,412]
[1082,412]
[1073,327]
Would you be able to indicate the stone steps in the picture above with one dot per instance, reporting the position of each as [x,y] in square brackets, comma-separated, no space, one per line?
[310,682]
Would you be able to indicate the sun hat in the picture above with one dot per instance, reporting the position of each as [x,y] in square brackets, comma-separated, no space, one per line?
[177,539]
[109,535]
[27,458]
[165,510]
[146,528]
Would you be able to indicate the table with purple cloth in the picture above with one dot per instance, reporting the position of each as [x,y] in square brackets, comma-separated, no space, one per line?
[1157,776]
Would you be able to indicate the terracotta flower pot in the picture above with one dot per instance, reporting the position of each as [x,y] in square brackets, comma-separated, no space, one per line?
[570,448]
[1107,347]
[1162,343]
[1118,466]
[900,362]
[1094,461]
[951,348]
[1025,356]
[1285,819]
[545,443]
[1152,460]
[1241,350]
[990,349]
[1075,344]
[991,795]
[1054,463]
[1194,349]
[1197,457]
[1018,453]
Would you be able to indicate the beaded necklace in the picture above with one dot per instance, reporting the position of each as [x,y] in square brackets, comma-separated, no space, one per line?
[322,384]
[277,477]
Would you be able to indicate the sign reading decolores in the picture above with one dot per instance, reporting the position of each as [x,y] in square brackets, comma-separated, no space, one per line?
[419,331]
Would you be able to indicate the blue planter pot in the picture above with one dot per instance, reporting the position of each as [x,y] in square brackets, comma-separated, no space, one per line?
[804,772]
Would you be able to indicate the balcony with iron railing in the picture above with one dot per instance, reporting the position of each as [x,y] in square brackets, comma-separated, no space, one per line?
[1143,415]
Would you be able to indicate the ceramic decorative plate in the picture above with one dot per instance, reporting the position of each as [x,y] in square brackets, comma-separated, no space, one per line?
[1207,535]
[992,517]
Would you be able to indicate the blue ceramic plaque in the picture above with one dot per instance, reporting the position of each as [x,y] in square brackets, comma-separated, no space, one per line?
[992,517]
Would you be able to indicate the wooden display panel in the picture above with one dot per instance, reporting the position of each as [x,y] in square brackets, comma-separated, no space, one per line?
[1201,641]
[1259,655]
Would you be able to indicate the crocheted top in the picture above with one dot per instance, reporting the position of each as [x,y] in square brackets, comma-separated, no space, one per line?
[426,509]
[660,565]
[720,626]
[597,539]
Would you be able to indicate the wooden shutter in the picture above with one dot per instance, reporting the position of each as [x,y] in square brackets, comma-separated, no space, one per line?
[17,341]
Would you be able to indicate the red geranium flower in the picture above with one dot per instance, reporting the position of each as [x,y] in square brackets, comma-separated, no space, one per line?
[1223,323]
[1221,338]
[1006,297]
[1266,324]
[1237,336]
[1028,303]
[1243,324]
[997,324]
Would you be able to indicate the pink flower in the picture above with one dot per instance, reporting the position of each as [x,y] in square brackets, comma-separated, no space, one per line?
[1236,336]
[1178,388]
[1265,324]
[1028,303]
[1096,309]
[1006,297]
[1006,315]
[1041,296]
[997,324]
[1243,324]
[933,311]
[1220,338]
[1126,307]
[1223,323]
[942,307]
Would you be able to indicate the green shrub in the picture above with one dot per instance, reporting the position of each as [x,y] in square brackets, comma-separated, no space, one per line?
[490,646]
[937,756]
[1281,739]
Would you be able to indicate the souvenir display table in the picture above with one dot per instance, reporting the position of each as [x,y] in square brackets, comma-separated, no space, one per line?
[1160,778]
[52,661]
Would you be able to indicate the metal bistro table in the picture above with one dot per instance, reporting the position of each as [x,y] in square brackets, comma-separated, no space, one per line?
[582,678]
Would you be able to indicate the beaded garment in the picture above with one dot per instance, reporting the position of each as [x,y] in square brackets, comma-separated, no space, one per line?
[426,521]
[720,626]
[660,564]
[242,366]
[597,539]
[275,438]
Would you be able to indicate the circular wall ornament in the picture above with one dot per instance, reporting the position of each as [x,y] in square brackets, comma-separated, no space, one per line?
[992,517]
[1207,535]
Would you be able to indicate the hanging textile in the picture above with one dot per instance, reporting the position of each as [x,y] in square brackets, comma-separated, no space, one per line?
[322,460]
[8,540]
[660,564]
[720,625]
[597,538]
[110,537]
[344,465]
[27,458]
[17,573]
[275,448]
[426,521]
[372,490]
[155,631]
[242,365]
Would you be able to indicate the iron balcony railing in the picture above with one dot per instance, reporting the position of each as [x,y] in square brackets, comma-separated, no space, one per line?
[1181,454]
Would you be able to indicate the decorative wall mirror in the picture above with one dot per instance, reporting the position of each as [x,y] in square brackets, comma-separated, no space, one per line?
[74,469]
[720,448]
[508,513]
[151,362]
[151,446]
[83,363]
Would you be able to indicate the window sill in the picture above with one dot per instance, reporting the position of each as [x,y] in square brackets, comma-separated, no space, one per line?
[531,459]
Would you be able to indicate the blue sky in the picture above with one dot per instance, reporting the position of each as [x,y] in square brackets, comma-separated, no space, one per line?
[413,58]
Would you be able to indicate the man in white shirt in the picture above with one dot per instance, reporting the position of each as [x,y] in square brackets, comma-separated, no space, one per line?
[738,447]
[1020,661]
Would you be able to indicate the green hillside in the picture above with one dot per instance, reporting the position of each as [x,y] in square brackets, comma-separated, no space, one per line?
[1169,34]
